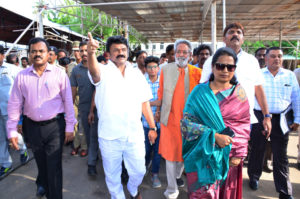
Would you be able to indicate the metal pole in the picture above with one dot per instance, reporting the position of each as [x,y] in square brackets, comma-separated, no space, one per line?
[224,14]
[213,26]
[280,34]
[126,3]
[297,51]
[41,26]
[22,34]
[126,35]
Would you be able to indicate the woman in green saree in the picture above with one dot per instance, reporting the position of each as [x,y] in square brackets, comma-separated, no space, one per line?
[215,130]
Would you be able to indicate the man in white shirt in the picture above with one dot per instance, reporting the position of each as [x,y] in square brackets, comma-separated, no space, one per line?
[297,73]
[247,72]
[122,95]
[282,91]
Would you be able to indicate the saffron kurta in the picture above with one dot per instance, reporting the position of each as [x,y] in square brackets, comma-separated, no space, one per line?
[170,146]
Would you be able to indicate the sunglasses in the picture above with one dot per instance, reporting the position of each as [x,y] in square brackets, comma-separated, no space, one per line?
[150,67]
[230,67]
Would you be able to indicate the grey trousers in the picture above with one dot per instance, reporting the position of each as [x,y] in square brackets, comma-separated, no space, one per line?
[91,135]
[5,159]
[174,171]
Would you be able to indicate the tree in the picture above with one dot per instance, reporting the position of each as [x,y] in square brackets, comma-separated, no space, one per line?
[86,19]
[287,48]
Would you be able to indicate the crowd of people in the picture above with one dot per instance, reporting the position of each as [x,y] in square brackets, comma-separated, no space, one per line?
[205,114]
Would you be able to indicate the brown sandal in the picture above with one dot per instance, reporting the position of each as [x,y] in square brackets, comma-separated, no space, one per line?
[83,153]
[75,151]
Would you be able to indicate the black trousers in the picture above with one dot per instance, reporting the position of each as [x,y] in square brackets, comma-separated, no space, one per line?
[46,142]
[279,144]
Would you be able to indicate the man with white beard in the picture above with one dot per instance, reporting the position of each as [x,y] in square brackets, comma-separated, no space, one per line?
[177,80]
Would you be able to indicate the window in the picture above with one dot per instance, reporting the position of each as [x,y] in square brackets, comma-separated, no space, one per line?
[147,46]
[153,46]
[162,46]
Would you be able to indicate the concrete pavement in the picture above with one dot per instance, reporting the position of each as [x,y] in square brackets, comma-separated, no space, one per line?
[20,184]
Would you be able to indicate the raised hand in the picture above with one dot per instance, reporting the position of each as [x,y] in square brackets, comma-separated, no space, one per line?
[92,44]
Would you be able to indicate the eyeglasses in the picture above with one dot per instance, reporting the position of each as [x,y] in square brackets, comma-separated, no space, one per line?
[230,67]
[182,51]
[150,67]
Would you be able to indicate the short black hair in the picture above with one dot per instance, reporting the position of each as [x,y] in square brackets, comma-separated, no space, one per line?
[82,43]
[37,40]
[63,50]
[150,59]
[262,48]
[220,52]
[115,40]
[101,58]
[9,58]
[140,52]
[64,61]
[233,25]
[1,49]
[169,48]
[24,58]
[203,47]
[273,48]
[163,55]
[195,51]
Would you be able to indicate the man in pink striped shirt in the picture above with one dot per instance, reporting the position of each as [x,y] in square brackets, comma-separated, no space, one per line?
[43,93]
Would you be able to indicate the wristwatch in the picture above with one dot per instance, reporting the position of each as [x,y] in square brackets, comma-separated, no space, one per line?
[268,115]
[153,129]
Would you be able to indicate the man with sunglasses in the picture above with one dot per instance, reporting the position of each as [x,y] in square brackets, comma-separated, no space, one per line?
[247,72]
[282,91]
[177,80]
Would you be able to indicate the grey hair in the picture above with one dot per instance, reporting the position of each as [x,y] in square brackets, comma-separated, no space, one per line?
[183,41]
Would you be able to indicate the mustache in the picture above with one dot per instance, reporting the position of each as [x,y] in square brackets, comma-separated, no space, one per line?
[119,56]
[181,58]
[234,37]
[37,57]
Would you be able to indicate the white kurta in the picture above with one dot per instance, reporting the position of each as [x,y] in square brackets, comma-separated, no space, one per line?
[121,136]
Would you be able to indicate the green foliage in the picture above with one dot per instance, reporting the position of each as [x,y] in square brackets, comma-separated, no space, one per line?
[86,19]
[251,46]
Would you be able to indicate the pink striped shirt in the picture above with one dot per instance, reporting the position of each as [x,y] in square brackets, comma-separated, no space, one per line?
[41,97]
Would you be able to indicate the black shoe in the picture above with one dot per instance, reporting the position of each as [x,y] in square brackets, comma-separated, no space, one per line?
[138,196]
[24,158]
[40,191]
[253,184]
[124,175]
[92,170]
[4,171]
[284,196]
[298,165]
[180,182]
[267,169]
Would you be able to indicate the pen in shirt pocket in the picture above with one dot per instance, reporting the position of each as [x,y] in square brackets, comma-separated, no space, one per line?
[287,85]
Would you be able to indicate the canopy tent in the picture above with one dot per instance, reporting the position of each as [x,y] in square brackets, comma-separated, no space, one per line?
[13,24]
[166,21]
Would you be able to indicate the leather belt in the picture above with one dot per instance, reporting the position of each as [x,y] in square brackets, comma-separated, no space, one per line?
[46,122]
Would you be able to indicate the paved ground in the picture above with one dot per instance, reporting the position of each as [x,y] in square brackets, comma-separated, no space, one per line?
[20,184]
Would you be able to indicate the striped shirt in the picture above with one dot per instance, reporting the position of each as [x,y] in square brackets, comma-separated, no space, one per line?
[154,88]
[281,91]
